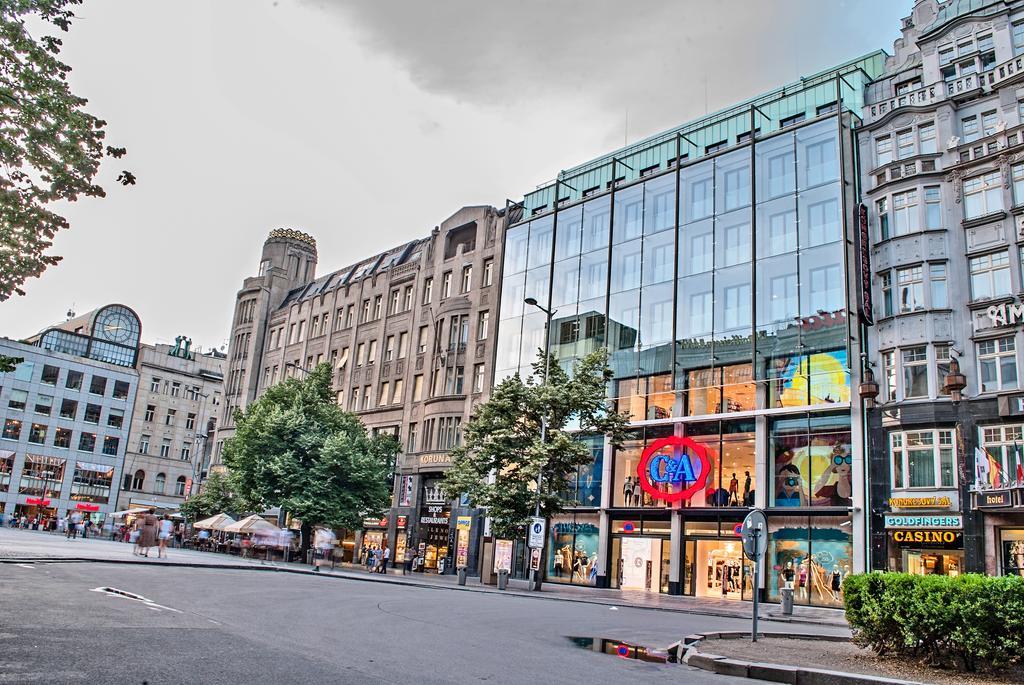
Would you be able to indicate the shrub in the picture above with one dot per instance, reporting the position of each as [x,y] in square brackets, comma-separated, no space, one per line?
[969,621]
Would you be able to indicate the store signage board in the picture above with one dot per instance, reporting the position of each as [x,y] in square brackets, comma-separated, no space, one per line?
[375,523]
[463,523]
[680,464]
[947,537]
[995,498]
[503,556]
[867,310]
[915,521]
[402,520]
[935,502]
[535,538]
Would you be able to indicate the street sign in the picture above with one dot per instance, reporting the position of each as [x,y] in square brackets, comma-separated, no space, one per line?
[536,536]
[535,559]
[755,534]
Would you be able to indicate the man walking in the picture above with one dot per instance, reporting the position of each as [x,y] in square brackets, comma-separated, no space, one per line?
[74,521]
[385,557]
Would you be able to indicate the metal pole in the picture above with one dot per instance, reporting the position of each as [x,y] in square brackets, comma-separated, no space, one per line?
[757,582]
[535,585]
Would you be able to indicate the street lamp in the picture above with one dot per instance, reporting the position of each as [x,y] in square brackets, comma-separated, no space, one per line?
[537,575]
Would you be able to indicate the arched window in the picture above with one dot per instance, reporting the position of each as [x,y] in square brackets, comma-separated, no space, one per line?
[139,480]
[161,479]
[180,486]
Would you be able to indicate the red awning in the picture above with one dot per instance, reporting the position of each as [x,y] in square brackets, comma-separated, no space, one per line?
[87,507]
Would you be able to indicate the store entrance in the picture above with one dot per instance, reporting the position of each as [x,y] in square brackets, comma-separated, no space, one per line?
[720,569]
[933,562]
[641,563]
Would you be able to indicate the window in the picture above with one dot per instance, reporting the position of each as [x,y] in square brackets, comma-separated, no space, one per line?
[454,378]
[161,481]
[355,398]
[186,453]
[92,413]
[910,288]
[403,344]
[905,143]
[882,210]
[366,396]
[175,389]
[887,305]
[946,55]
[74,381]
[883,150]
[382,397]
[982,195]
[12,429]
[937,280]
[169,418]
[399,394]
[428,289]
[150,411]
[1018,184]
[165,448]
[144,444]
[969,128]
[68,409]
[120,390]
[349,313]
[922,459]
[989,121]
[446,285]
[488,276]
[179,486]
[371,352]
[997,364]
[62,438]
[410,445]
[87,442]
[467,278]
[1018,37]
[44,405]
[889,374]
[926,134]
[941,367]
[482,324]
[18,399]
[50,375]
[389,348]
[154,384]
[301,330]
[190,421]
[360,354]
[377,304]
[932,207]
[110,445]
[478,378]
[37,433]
[990,275]
[417,388]
[906,213]
[98,386]
[421,339]
[364,312]
[915,372]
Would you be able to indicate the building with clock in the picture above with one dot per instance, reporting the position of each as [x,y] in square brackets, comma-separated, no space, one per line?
[65,412]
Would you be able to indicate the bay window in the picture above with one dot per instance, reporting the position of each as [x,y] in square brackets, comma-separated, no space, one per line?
[910,288]
[915,372]
[906,214]
[990,275]
[982,195]
[997,364]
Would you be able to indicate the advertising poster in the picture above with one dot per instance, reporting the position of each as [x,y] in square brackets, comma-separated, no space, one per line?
[503,556]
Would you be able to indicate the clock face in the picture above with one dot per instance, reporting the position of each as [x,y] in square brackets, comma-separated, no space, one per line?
[115,326]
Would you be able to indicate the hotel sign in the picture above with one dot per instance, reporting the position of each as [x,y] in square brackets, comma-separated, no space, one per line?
[994,498]
[933,502]
[940,521]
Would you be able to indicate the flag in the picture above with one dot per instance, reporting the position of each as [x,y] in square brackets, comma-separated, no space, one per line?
[995,471]
[981,475]
[1020,468]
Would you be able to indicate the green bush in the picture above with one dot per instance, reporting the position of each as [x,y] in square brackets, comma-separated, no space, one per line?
[969,621]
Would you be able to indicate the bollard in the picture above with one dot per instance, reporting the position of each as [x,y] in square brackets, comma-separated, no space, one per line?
[787,601]
[462,575]
[502,579]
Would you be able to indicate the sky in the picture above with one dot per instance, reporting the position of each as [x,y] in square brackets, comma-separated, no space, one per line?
[368,122]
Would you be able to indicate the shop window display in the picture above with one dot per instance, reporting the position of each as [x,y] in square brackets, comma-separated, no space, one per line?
[811,555]
[730,445]
[627,490]
[573,549]
[813,462]
[1011,543]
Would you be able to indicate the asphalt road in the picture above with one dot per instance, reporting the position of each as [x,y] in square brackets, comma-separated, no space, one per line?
[223,626]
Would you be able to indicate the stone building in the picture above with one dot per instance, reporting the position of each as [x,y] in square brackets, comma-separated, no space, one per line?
[409,334]
[175,415]
[942,165]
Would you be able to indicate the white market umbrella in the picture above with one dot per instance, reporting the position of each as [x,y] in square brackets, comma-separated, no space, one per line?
[252,524]
[218,522]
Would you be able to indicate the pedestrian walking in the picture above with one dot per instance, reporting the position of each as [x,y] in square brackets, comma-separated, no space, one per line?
[148,532]
[74,521]
[410,556]
[385,557]
[86,526]
[166,528]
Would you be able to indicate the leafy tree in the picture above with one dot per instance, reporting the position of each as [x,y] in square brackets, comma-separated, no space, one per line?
[216,497]
[296,449]
[503,439]
[50,147]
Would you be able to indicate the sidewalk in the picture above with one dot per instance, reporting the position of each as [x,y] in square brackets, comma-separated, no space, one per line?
[21,546]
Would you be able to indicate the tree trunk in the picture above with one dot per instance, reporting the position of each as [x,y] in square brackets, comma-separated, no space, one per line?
[306,532]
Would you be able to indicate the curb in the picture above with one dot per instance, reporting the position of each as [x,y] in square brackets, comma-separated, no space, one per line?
[776,673]
[397,580]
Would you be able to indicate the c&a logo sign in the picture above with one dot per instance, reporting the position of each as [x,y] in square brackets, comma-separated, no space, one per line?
[679,463]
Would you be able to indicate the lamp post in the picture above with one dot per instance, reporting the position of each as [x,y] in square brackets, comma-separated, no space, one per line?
[536,576]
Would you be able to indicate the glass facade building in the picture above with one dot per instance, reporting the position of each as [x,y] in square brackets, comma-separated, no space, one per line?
[715,264]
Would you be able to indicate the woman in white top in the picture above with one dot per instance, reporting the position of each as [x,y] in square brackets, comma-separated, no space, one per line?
[166,530]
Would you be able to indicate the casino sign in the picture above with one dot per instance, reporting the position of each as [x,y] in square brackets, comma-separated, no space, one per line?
[674,469]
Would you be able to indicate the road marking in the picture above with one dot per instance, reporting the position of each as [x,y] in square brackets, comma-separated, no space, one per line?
[114,592]
[25,565]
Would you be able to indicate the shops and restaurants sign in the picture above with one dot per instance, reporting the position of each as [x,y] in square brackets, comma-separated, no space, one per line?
[436,515]
[924,521]
[674,469]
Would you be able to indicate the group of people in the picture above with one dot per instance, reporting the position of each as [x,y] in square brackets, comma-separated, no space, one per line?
[375,558]
[71,525]
[150,531]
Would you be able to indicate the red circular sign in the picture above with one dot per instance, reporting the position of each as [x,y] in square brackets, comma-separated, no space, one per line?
[682,448]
